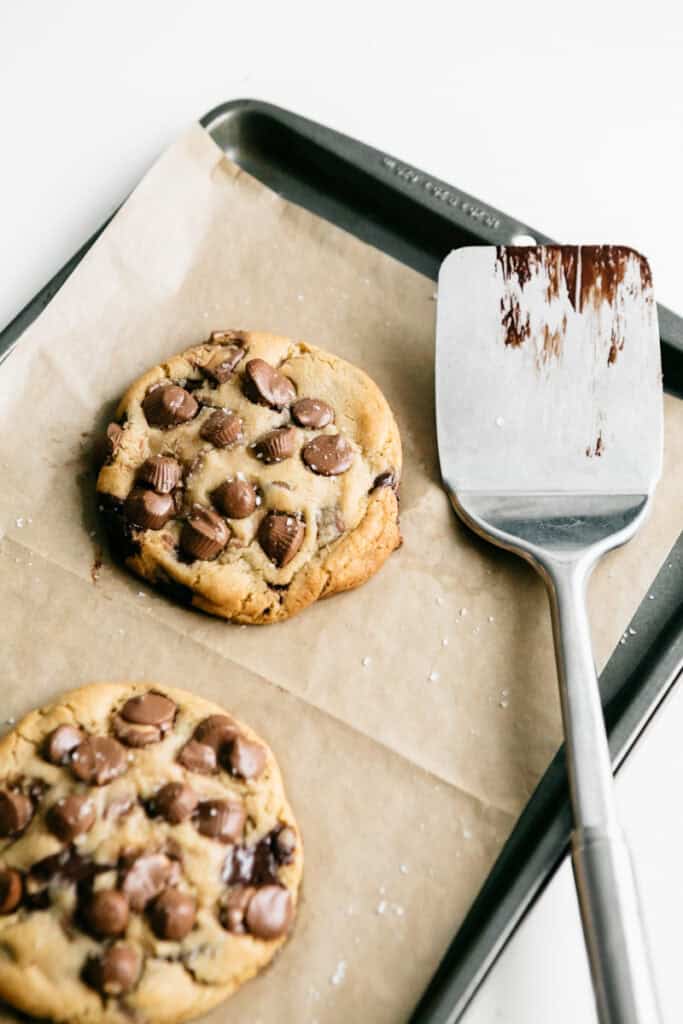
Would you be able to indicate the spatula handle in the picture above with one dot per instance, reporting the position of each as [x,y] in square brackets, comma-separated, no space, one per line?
[612,926]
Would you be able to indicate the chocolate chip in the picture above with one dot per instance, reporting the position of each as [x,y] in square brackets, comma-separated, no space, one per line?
[71,816]
[175,802]
[98,760]
[147,876]
[115,971]
[312,413]
[204,534]
[284,843]
[135,735]
[386,479]
[221,819]
[150,709]
[106,913]
[149,510]
[16,811]
[269,913]
[216,731]
[60,742]
[198,757]
[328,454]
[277,445]
[11,890]
[173,915]
[160,472]
[112,441]
[280,535]
[167,405]
[235,498]
[265,385]
[234,910]
[221,364]
[247,759]
[222,428]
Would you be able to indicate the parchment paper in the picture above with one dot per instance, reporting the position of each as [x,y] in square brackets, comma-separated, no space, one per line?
[406,786]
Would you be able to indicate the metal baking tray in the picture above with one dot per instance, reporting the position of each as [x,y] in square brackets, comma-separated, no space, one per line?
[418,219]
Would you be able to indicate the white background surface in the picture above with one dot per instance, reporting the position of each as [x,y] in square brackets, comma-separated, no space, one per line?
[568,116]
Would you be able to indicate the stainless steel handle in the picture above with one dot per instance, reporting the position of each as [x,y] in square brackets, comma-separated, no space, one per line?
[612,926]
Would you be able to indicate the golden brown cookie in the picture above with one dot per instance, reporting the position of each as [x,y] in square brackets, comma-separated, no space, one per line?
[252,475]
[149,860]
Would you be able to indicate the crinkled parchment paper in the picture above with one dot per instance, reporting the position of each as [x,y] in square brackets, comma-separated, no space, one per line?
[413,717]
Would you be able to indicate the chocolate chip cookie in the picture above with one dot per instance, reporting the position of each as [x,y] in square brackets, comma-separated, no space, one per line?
[149,860]
[251,475]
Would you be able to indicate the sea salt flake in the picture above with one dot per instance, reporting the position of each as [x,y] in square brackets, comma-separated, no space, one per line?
[434,677]
[462,613]
[444,642]
[403,869]
[20,522]
[466,834]
[439,600]
[631,631]
[500,422]
[367,661]
[339,973]
[381,906]
[491,618]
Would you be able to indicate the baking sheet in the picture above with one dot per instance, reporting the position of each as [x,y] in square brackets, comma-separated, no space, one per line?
[370,753]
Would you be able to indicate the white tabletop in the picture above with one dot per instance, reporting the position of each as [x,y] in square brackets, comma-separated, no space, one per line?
[567,116]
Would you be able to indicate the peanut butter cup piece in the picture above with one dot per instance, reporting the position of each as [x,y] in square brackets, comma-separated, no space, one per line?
[198,757]
[173,915]
[221,819]
[312,413]
[106,913]
[98,760]
[265,385]
[168,405]
[222,428]
[247,759]
[16,811]
[149,510]
[281,535]
[277,445]
[71,816]
[204,534]
[160,472]
[269,913]
[176,802]
[115,971]
[222,363]
[147,876]
[60,742]
[135,735]
[328,454]
[11,890]
[235,498]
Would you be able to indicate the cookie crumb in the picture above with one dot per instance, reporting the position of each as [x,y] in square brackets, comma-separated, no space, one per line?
[462,613]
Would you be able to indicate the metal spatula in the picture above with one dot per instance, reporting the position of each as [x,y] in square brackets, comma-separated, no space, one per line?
[549,422]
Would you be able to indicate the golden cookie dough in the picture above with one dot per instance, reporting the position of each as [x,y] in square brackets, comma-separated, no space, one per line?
[251,475]
[149,860]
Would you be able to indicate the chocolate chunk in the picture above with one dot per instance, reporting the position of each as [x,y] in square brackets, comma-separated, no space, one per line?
[115,971]
[221,819]
[98,760]
[269,913]
[60,742]
[222,429]
[71,816]
[277,445]
[386,479]
[221,364]
[247,759]
[106,913]
[147,876]
[234,910]
[11,890]
[284,844]
[312,413]
[216,731]
[112,440]
[266,386]
[135,735]
[235,498]
[173,915]
[16,811]
[198,757]
[281,535]
[160,472]
[150,709]
[167,405]
[328,454]
[204,534]
[176,801]
[149,510]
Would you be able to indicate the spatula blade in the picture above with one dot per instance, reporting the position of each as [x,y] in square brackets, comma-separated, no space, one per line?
[548,375]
